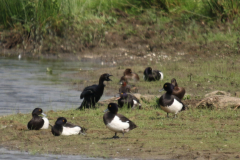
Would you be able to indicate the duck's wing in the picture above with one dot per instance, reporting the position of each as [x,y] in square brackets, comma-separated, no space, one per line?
[179,100]
[125,119]
[88,91]
[70,125]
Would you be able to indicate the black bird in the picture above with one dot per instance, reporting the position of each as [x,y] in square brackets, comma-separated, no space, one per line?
[170,103]
[61,127]
[130,100]
[117,122]
[152,75]
[37,122]
[92,94]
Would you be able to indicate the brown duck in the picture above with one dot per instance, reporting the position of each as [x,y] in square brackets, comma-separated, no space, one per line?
[177,91]
[129,75]
[125,87]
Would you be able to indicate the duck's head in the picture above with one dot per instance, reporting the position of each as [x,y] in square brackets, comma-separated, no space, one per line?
[112,107]
[148,70]
[127,71]
[174,82]
[105,77]
[61,121]
[38,111]
[167,87]
[123,80]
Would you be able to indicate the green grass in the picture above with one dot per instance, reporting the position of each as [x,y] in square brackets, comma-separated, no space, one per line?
[57,26]
[195,130]
[207,75]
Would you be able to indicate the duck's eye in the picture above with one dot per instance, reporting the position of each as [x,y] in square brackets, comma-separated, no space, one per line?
[110,106]
[63,120]
[165,85]
[40,110]
[121,93]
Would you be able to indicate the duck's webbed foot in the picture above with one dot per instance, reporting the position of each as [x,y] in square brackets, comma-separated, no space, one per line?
[115,136]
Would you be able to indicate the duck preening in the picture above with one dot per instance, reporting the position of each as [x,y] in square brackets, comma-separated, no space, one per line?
[169,102]
[128,99]
[117,122]
[37,122]
[92,94]
[177,91]
[129,75]
[152,75]
[61,127]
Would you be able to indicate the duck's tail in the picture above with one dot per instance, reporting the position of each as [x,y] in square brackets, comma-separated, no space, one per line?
[83,131]
[132,125]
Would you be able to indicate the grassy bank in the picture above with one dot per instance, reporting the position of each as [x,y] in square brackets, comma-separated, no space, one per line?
[56,26]
[199,75]
[194,134]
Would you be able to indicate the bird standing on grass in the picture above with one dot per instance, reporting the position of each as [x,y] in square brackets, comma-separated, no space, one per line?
[37,122]
[61,127]
[117,122]
[92,94]
[170,103]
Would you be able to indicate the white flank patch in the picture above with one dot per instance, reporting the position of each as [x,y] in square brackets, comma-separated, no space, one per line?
[67,131]
[117,125]
[135,102]
[45,123]
[161,75]
[174,108]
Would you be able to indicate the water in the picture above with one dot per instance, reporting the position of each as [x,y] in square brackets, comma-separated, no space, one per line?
[25,85]
[17,155]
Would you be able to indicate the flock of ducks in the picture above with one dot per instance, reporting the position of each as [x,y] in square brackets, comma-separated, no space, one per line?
[170,102]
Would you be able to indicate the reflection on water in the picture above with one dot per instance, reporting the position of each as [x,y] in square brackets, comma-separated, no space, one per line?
[26,85]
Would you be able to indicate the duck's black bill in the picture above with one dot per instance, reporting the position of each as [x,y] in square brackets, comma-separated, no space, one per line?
[109,78]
